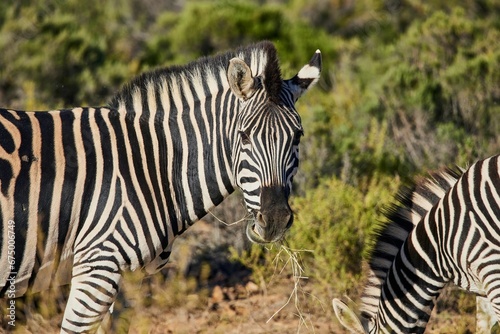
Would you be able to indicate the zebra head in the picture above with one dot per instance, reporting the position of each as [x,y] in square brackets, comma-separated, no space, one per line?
[266,152]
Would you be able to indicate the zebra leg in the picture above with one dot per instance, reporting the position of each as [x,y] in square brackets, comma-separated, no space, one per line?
[118,318]
[107,320]
[93,291]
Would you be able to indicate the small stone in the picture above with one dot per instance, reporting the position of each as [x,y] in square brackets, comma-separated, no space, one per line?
[251,288]
[217,295]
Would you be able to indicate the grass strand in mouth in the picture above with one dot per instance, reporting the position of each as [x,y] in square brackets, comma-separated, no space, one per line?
[247,216]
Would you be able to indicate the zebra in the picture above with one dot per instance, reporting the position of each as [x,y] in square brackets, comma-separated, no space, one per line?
[445,230]
[96,192]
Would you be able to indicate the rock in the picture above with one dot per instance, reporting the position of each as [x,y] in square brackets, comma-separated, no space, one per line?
[251,288]
[217,295]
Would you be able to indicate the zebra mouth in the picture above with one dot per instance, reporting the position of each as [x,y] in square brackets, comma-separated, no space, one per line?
[254,233]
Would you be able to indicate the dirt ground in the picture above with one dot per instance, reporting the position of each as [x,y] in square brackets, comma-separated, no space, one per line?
[241,309]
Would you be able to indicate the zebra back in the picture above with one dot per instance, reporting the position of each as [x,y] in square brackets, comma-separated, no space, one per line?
[412,203]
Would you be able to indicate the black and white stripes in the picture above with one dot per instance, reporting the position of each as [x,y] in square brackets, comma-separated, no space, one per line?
[104,190]
[445,231]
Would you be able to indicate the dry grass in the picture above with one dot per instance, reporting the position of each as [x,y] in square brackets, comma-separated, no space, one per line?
[292,259]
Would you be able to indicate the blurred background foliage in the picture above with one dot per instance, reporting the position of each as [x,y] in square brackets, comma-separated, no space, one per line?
[406,87]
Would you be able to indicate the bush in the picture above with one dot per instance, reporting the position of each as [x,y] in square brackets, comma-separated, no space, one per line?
[69,61]
[335,221]
[442,70]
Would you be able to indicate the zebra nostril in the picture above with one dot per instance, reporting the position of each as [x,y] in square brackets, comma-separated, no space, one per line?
[260,220]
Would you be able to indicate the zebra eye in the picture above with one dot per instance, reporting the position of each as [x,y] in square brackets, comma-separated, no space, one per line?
[245,140]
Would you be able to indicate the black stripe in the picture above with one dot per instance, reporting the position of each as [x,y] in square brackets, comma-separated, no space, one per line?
[22,188]
[46,196]
[134,231]
[107,179]
[94,298]
[228,106]
[152,195]
[493,186]
[90,171]
[193,173]
[164,181]
[132,227]
[210,171]
[108,166]
[482,203]
[152,166]
[176,156]
[6,176]
[70,176]
[6,141]
[146,113]
[125,173]
[129,245]
[140,174]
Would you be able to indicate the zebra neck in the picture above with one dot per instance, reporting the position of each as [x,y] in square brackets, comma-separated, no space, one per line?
[410,290]
[191,140]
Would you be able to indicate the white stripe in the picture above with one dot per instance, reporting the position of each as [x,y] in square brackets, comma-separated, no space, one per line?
[42,281]
[228,122]
[137,103]
[177,101]
[153,108]
[142,153]
[217,138]
[124,202]
[6,204]
[176,95]
[79,184]
[140,196]
[165,101]
[91,216]
[207,200]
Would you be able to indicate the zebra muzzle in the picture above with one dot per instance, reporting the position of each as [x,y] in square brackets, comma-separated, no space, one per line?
[274,218]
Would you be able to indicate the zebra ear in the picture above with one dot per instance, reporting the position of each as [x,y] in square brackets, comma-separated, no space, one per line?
[240,79]
[307,76]
[347,317]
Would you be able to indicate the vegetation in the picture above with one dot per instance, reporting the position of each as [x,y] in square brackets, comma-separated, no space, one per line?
[406,87]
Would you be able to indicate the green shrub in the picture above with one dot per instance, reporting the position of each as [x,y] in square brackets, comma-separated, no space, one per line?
[73,53]
[335,222]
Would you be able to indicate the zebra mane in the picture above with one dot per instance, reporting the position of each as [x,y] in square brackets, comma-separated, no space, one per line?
[261,57]
[412,203]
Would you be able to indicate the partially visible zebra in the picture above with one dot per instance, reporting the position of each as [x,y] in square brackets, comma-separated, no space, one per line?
[106,190]
[446,230]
